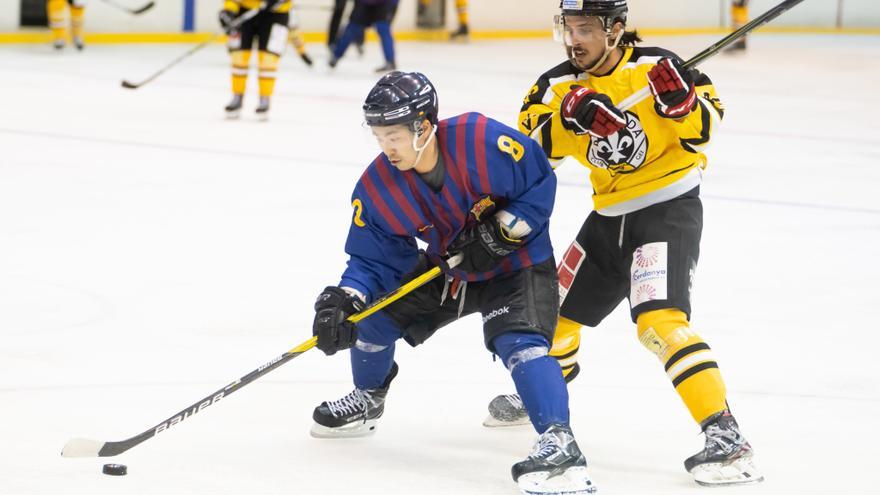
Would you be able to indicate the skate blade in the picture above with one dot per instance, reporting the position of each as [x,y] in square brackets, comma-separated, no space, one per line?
[574,481]
[262,116]
[233,115]
[492,422]
[356,430]
[739,472]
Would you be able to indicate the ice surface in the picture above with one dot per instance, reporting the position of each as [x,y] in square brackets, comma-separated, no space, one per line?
[151,252]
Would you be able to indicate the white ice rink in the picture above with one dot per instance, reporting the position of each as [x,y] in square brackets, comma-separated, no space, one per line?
[151,252]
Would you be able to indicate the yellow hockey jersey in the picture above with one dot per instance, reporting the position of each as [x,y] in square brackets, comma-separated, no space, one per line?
[654,159]
[237,5]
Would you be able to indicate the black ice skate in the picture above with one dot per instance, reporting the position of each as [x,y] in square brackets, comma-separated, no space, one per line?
[461,34]
[506,410]
[233,109]
[78,43]
[727,457]
[555,466]
[354,415]
[388,67]
[59,44]
[263,108]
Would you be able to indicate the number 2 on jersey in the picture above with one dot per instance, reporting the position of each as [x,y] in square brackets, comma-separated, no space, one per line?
[358,211]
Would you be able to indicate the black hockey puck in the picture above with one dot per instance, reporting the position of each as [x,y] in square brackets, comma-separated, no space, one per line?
[115,469]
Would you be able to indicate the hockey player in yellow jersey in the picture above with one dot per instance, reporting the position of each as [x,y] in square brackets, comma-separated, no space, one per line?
[739,16]
[269,27]
[642,240]
[463,31]
[55,10]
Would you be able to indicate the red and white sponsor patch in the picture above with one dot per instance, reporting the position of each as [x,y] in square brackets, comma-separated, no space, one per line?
[569,267]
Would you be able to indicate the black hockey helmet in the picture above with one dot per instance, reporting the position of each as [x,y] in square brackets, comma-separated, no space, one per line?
[610,11]
[401,98]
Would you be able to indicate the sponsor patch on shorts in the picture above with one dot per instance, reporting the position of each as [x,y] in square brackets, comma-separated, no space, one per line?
[569,267]
[649,273]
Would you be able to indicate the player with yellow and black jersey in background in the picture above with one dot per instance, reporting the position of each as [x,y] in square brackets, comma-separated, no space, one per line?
[739,16]
[55,11]
[270,28]
[642,241]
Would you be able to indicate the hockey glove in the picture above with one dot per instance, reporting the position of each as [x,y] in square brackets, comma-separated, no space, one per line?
[585,111]
[227,20]
[331,324]
[484,246]
[673,89]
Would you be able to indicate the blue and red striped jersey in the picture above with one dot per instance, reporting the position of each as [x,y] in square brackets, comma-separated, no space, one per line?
[486,163]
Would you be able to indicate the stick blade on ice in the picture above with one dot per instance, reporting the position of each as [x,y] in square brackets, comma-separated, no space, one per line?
[82,447]
[144,8]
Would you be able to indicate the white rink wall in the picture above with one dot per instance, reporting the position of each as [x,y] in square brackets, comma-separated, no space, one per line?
[487,15]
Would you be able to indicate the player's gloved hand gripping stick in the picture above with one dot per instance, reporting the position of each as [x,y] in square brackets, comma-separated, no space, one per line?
[713,50]
[80,447]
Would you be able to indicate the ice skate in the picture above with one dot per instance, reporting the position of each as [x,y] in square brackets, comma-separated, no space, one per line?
[58,44]
[79,43]
[460,34]
[354,415]
[263,108]
[233,109]
[506,410]
[556,466]
[388,67]
[727,458]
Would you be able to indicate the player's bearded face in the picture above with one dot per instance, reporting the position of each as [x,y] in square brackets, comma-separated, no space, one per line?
[585,38]
[396,142]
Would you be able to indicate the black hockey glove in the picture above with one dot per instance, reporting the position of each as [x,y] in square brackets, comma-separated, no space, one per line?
[331,324]
[484,246]
[227,20]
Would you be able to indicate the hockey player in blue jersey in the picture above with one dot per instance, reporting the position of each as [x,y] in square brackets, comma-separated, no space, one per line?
[465,185]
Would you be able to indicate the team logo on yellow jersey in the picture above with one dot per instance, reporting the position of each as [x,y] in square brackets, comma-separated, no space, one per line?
[623,152]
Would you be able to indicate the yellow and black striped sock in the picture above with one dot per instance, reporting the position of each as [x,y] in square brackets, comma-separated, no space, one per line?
[240,62]
[687,359]
[268,68]
[566,344]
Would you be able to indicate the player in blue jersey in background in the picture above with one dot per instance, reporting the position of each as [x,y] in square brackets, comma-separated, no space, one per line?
[467,185]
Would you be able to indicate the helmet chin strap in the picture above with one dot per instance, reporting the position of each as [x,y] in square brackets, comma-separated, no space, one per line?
[420,150]
[609,47]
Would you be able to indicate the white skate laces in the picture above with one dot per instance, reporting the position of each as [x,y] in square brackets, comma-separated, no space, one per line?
[352,403]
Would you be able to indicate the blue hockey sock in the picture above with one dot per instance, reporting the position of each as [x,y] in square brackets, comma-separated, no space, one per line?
[384,30]
[373,354]
[537,376]
[352,32]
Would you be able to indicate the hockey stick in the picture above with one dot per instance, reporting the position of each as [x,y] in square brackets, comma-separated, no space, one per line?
[137,11]
[81,447]
[713,50]
[250,14]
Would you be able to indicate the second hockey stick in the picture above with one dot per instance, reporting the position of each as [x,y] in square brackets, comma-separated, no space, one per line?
[716,48]
[135,11]
[250,14]
[82,447]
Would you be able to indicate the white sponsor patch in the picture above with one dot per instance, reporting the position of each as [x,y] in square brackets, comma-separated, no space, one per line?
[649,274]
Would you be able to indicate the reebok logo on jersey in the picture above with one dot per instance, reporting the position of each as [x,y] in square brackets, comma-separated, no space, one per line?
[498,312]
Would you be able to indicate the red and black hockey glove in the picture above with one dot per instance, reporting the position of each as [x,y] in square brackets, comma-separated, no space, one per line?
[585,111]
[673,89]
[484,246]
[331,324]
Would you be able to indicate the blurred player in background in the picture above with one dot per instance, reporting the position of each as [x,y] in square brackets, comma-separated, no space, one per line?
[296,39]
[55,10]
[739,16]
[335,22]
[270,28]
[463,32]
[642,241]
[366,13]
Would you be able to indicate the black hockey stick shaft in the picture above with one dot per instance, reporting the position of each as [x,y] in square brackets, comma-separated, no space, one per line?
[716,48]
[235,25]
[79,447]
[133,11]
